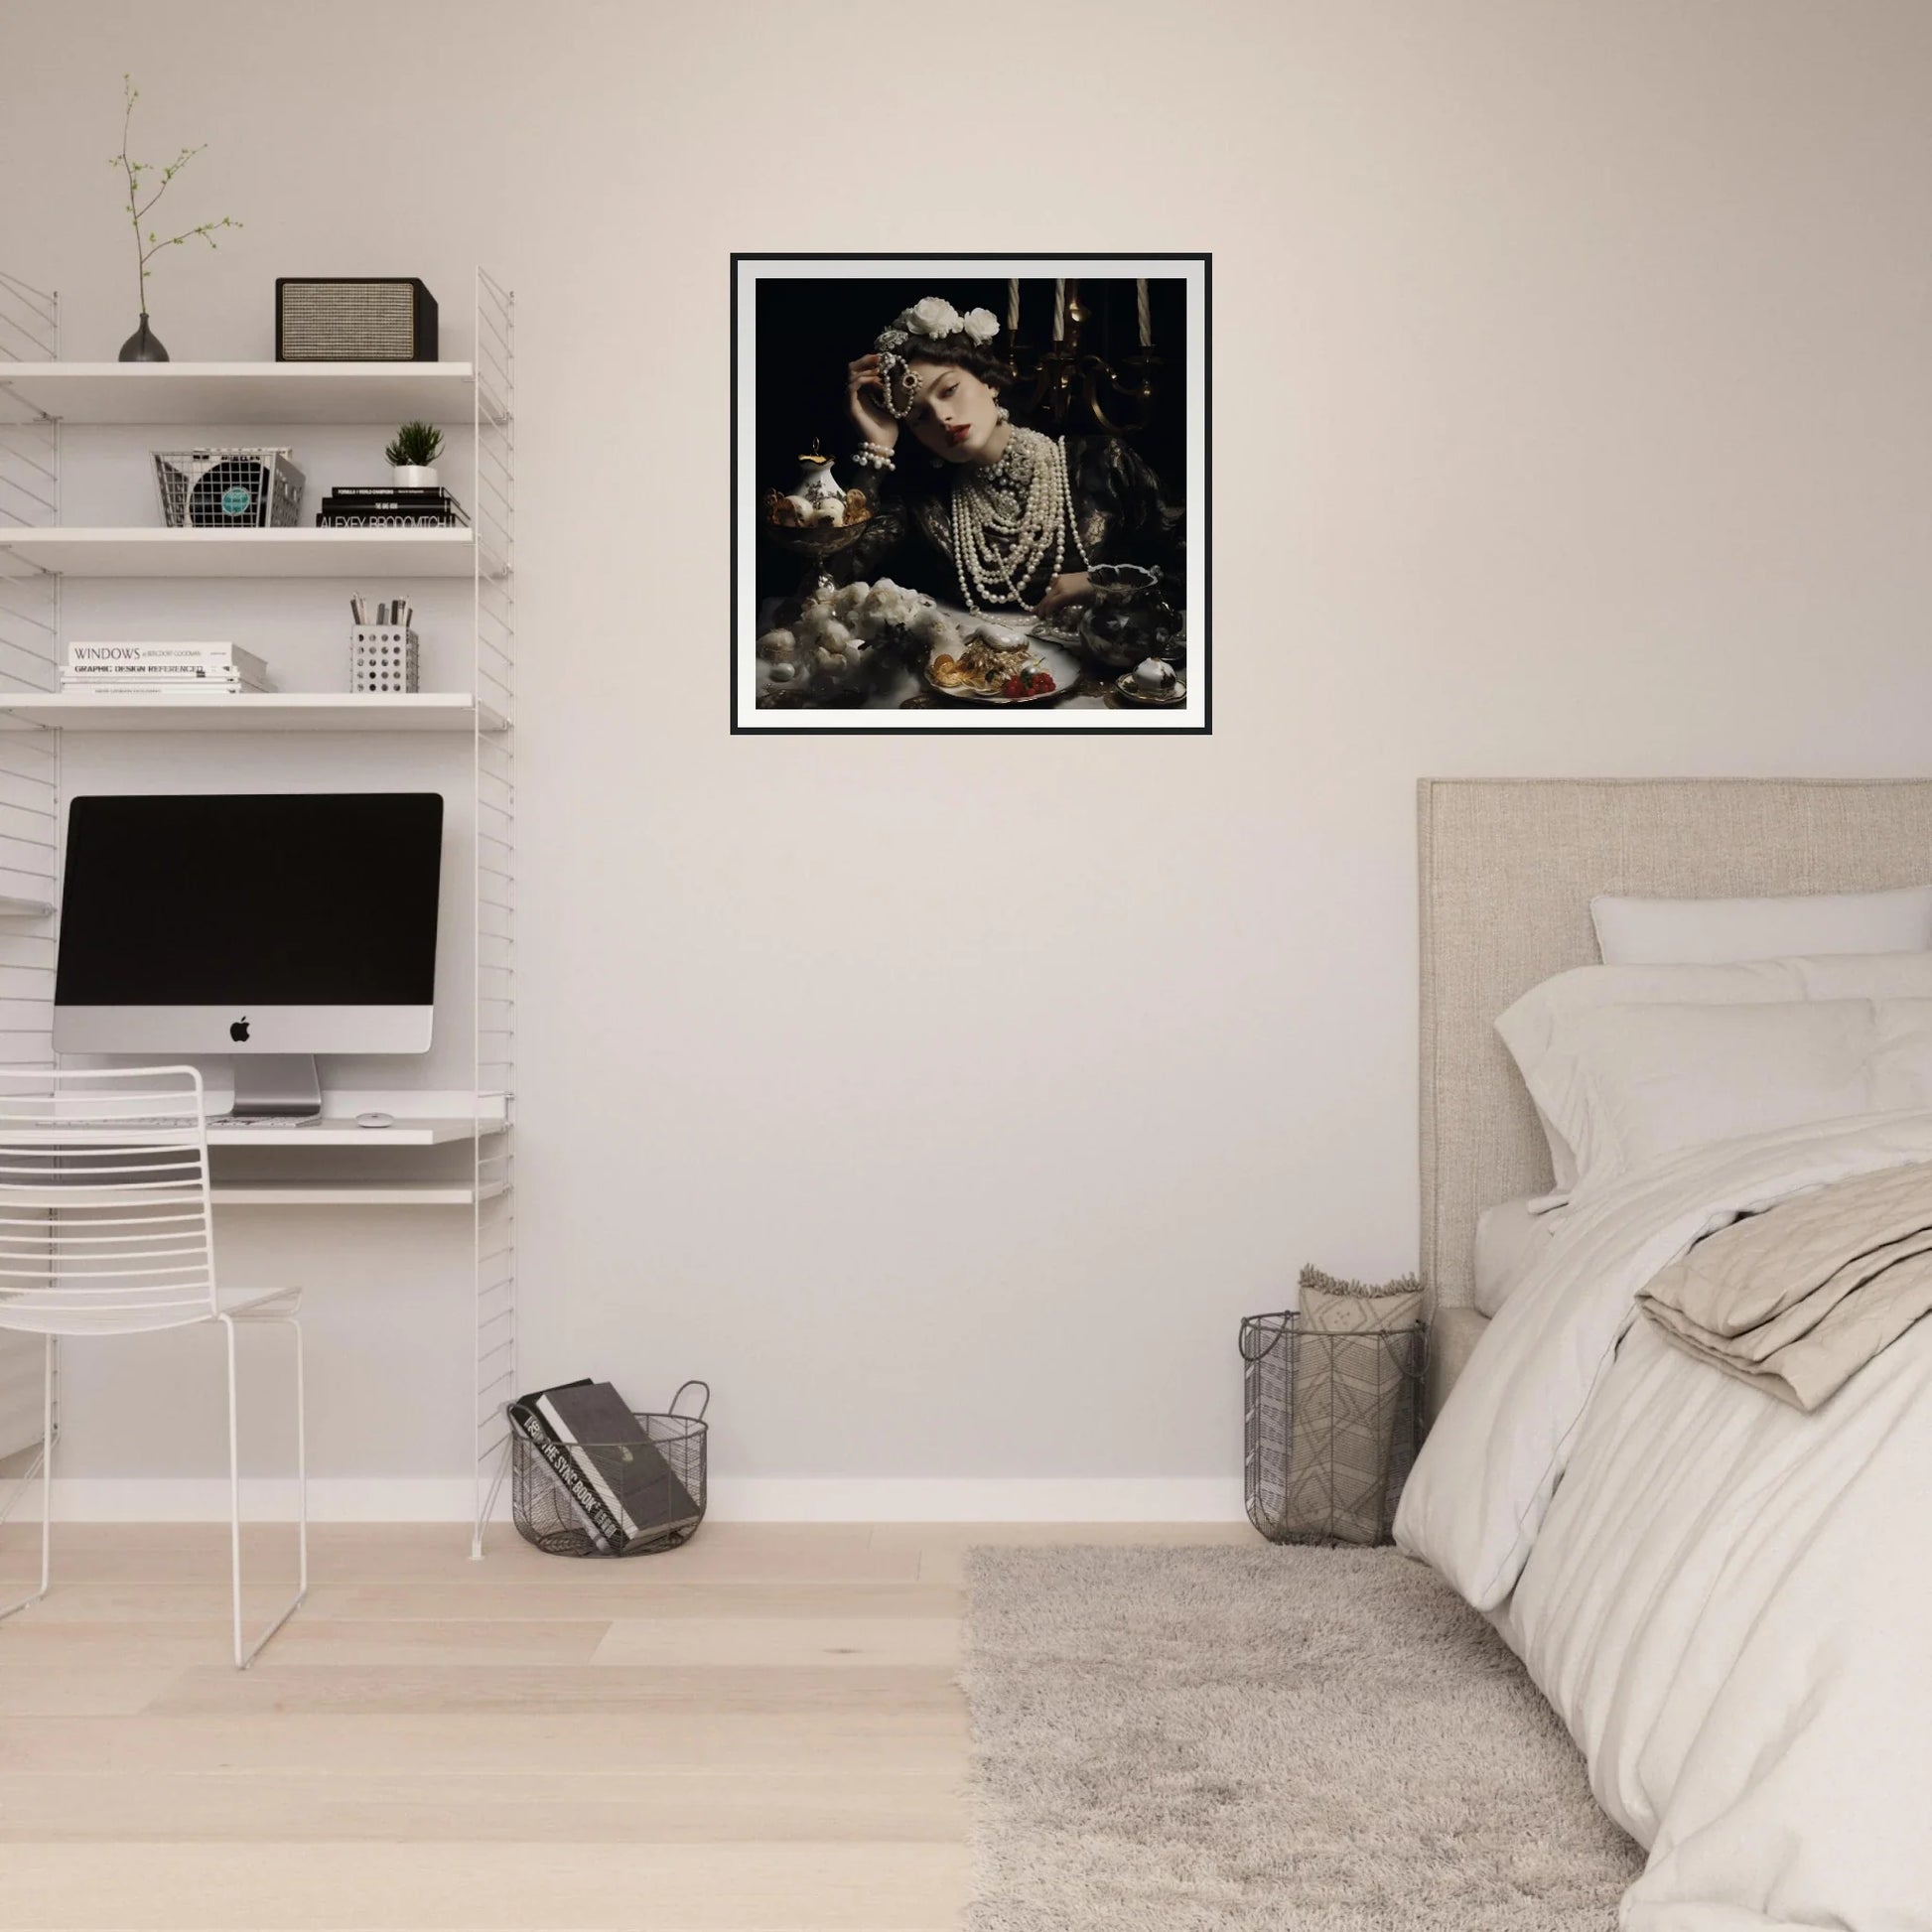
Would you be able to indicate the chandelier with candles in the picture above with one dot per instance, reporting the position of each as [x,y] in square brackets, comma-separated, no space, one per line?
[1049,380]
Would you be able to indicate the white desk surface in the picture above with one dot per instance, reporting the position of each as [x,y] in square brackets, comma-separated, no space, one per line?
[329,1131]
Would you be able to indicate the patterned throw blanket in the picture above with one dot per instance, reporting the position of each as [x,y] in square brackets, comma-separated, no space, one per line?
[1800,1297]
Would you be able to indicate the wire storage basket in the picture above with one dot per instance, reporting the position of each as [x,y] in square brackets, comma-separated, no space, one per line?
[1333,1426]
[229,490]
[657,1507]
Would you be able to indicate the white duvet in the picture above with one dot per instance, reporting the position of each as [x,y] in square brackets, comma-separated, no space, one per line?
[1728,1601]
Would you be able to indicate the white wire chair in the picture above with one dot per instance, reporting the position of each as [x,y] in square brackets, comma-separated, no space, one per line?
[107,1229]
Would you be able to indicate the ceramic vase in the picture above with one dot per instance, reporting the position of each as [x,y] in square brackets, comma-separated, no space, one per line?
[144,346]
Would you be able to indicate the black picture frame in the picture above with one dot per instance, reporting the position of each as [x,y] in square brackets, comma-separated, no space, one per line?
[1197,503]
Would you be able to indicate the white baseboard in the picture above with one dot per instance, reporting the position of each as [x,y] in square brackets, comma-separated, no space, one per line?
[737,1499]
[968,1499]
[204,1499]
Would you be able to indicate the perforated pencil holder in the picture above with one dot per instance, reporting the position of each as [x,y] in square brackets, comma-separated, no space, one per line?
[382,657]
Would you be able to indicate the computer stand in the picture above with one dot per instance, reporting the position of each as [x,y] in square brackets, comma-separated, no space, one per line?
[276,1086]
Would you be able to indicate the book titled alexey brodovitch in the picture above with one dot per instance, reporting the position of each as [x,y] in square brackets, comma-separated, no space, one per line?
[618,1479]
[377,507]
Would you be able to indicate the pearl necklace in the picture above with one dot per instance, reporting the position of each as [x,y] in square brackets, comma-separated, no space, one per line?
[1009,517]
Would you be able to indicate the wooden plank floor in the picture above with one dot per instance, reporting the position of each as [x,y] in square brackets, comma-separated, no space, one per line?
[758,1733]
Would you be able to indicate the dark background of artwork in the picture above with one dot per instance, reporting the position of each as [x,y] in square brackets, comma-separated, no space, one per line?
[810,327]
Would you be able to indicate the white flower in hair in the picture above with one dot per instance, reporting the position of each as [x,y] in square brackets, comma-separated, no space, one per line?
[980,324]
[935,316]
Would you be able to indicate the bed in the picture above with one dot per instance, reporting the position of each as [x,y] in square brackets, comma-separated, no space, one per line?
[1724,1599]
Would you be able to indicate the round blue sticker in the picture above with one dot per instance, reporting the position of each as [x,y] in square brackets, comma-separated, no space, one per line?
[236,500]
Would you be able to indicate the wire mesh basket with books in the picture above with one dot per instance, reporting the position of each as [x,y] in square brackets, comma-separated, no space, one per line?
[590,1477]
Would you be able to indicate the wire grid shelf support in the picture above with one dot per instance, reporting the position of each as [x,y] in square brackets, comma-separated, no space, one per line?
[30,802]
[492,513]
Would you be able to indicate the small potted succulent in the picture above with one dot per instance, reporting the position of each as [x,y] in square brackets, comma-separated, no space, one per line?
[412,455]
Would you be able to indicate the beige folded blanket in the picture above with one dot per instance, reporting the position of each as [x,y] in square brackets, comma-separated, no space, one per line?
[1798,1299]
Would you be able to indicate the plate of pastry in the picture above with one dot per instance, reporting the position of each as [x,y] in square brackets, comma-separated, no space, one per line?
[1151,681]
[993,666]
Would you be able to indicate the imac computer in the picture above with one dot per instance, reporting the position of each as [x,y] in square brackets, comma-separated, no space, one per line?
[262,927]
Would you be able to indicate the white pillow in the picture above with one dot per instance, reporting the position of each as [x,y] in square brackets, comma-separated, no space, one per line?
[1684,931]
[1628,1085]
[1530,1026]
[1510,1240]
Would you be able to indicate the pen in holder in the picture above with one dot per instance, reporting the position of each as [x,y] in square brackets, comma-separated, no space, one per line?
[382,657]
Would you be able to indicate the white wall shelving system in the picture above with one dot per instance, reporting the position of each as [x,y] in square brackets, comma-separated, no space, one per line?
[39,394]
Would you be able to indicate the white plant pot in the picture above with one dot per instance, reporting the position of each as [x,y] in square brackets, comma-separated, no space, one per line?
[414,475]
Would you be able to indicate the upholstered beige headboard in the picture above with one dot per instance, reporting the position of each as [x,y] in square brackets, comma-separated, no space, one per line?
[1507,870]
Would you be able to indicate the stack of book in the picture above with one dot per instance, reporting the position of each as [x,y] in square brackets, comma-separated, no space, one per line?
[385,507]
[626,1496]
[117,669]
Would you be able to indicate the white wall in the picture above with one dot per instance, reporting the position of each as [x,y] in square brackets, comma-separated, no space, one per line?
[1573,394]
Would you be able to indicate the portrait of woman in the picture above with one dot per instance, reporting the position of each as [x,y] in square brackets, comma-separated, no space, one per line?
[970,501]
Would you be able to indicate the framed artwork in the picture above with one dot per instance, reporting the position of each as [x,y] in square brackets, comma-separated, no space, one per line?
[970,493]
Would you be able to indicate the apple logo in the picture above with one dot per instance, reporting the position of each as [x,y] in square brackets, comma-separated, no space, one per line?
[240,1031]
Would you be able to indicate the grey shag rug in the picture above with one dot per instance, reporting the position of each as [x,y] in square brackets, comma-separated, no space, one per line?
[1220,1738]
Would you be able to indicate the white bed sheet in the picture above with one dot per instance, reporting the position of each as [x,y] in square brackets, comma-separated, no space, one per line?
[1726,1599]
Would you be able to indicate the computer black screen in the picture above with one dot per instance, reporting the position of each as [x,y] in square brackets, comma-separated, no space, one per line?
[280,898]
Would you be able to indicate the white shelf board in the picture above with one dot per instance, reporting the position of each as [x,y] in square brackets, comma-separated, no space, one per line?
[300,552]
[331,1131]
[253,711]
[349,1193]
[24,909]
[242,392]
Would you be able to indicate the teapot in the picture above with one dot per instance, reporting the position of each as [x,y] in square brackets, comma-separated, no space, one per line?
[1128,618]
